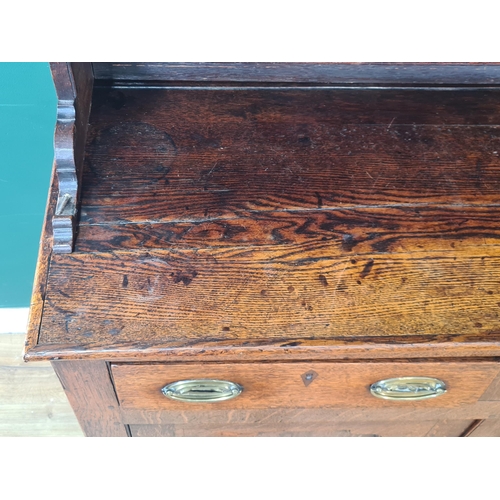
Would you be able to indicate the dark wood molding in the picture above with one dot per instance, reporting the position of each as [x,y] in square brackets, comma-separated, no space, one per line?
[73,82]
[472,427]
[258,350]
[300,73]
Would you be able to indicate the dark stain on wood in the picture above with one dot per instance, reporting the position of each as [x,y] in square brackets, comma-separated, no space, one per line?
[186,277]
[367,269]
[323,280]
[320,199]
[341,286]
[348,242]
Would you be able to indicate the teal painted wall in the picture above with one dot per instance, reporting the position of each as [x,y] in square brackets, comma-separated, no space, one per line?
[28,108]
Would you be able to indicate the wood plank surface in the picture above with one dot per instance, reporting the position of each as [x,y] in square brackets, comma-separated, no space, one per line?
[246,271]
[363,348]
[42,269]
[488,428]
[319,429]
[493,391]
[177,155]
[346,73]
[281,385]
[355,230]
[290,294]
[32,401]
[295,416]
[90,391]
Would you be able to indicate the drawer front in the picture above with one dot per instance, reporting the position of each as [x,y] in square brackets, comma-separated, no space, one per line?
[408,428]
[301,385]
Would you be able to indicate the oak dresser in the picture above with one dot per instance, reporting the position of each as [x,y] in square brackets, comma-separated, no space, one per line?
[274,249]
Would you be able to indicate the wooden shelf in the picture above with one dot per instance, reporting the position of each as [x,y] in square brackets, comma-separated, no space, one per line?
[308,233]
[224,217]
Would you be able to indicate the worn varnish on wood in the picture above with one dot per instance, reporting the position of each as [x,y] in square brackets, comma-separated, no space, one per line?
[315,73]
[199,296]
[253,213]
[283,215]
[205,154]
[281,385]
[317,429]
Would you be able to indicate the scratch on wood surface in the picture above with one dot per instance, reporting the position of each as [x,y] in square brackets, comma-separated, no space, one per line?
[267,417]
[338,281]
[211,170]
[375,183]
[241,288]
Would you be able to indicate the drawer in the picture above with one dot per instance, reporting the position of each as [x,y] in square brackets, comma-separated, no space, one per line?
[300,385]
[408,428]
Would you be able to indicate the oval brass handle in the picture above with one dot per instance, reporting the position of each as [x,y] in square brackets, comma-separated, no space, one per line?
[408,388]
[202,390]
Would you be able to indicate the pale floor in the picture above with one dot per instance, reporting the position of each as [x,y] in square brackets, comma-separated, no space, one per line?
[32,401]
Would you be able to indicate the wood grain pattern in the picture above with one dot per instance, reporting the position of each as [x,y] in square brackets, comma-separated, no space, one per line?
[488,428]
[177,155]
[290,295]
[339,73]
[318,429]
[83,86]
[280,385]
[363,348]
[295,416]
[250,232]
[471,428]
[90,392]
[42,270]
[493,391]
[348,231]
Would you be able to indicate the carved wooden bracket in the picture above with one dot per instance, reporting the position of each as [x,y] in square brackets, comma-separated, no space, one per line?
[73,82]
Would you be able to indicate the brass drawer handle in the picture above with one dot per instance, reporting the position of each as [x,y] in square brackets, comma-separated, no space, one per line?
[202,390]
[408,388]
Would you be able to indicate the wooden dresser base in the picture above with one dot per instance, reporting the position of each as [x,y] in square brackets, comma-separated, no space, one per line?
[91,392]
[299,232]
